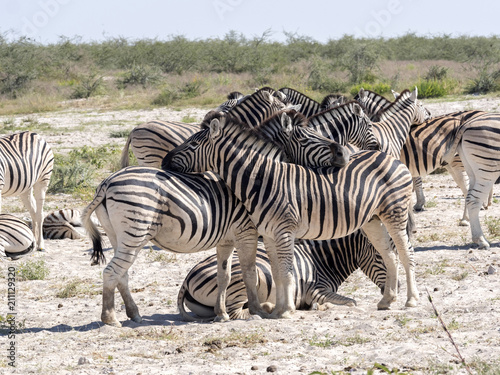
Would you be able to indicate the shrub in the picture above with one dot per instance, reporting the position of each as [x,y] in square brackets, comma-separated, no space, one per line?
[436,72]
[143,75]
[166,97]
[33,270]
[486,82]
[431,89]
[90,85]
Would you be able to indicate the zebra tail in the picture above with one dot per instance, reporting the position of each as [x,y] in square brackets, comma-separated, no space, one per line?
[92,230]
[124,159]
[181,299]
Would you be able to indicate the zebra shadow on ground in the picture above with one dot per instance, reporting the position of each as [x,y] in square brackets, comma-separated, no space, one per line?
[469,246]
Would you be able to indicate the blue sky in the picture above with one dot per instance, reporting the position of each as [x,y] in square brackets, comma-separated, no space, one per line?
[92,20]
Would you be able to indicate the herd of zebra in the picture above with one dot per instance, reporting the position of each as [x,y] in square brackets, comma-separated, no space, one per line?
[306,192]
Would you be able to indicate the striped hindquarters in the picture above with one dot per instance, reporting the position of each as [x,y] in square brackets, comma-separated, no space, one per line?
[26,160]
[16,238]
[62,224]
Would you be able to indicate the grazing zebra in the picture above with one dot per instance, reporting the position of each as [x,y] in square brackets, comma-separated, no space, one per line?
[26,163]
[61,224]
[151,141]
[319,268]
[16,238]
[308,106]
[287,201]
[344,124]
[180,213]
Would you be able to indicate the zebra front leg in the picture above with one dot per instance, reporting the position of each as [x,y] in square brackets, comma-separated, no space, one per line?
[280,255]
[224,260]
[379,237]
[36,220]
[246,242]
[457,171]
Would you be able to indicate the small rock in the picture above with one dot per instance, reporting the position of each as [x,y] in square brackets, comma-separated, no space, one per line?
[150,304]
[254,368]
[492,270]
[473,259]
[436,289]
[272,368]
[336,318]
[83,361]
[255,317]
[60,305]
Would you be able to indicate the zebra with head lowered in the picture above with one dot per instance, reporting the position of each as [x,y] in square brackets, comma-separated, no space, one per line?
[26,163]
[180,213]
[319,268]
[287,201]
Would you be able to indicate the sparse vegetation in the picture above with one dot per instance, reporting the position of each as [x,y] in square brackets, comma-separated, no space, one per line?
[33,269]
[78,287]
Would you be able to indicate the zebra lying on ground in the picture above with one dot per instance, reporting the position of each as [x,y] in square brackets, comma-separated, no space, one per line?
[65,223]
[16,237]
[180,213]
[319,269]
[26,163]
[287,201]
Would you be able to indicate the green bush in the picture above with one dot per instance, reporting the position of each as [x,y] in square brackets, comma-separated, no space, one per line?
[486,82]
[380,88]
[143,75]
[436,72]
[431,89]
[90,85]
[166,97]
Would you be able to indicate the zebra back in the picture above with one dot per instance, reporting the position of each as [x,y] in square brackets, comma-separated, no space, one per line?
[308,106]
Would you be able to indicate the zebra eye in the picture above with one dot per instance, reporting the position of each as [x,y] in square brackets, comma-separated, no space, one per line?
[194,144]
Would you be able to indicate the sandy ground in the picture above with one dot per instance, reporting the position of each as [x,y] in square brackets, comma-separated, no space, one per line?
[62,335]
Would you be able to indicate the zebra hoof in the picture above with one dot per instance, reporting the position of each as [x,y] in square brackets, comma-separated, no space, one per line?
[418,209]
[136,319]
[412,302]
[221,319]
[40,249]
[463,223]
[113,323]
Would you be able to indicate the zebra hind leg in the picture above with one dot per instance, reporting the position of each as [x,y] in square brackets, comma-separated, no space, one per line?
[224,262]
[130,306]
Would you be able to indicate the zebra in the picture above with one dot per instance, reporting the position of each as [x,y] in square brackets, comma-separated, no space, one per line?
[26,163]
[373,103]
[394,123]
[16,237]
[151,141]
[308,106]
[332,101]
[180,213]
[287,201]
[319,268]
[345,124]
[65,223]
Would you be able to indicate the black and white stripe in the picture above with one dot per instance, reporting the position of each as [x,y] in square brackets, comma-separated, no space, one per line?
[319,268]
[308,106]
[16,237]
[287,201]
[62,224]
[26,163]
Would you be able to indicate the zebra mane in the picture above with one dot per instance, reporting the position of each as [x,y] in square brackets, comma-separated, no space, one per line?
[370,93]
[298,93]
[346,107]
[298,119]
[235,95]
[230,122]
[403,96]
[329,98]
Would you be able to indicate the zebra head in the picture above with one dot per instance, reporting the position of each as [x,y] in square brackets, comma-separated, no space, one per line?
[332,101]
[421,113]
[301,144]
[363,136]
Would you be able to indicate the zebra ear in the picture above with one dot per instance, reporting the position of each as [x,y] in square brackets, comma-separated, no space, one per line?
[286,123]
[396,94]
[268,96]
[215,128]
[295,107]
[413,96]
[358,111]
[362,93]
